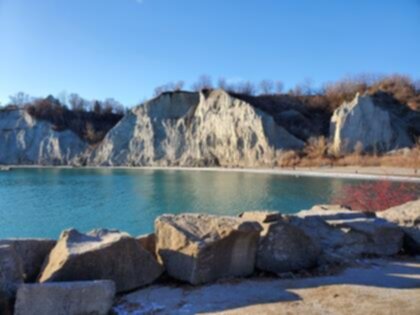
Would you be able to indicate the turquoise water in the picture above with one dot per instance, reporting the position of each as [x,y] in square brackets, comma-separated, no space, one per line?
[43,202]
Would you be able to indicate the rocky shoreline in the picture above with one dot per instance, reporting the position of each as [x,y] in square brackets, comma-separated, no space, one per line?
[83,273]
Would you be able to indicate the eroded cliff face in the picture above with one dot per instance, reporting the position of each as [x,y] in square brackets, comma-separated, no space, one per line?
[194,129]
[369,124]
[25,141]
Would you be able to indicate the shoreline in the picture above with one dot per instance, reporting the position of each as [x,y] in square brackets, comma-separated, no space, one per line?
[347,172]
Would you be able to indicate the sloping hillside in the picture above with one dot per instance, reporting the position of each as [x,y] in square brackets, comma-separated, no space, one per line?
[25,140]
[191,129]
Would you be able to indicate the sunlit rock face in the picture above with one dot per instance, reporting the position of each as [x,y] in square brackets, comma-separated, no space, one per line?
[372,124]
[194,129]
[26,140]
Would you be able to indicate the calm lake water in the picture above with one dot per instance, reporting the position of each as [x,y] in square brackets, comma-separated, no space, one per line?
[43,202]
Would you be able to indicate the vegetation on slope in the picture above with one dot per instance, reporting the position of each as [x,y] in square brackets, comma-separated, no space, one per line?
[303,110]
[89,120]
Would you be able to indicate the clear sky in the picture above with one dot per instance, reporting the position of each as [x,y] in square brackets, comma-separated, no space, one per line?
[125,48]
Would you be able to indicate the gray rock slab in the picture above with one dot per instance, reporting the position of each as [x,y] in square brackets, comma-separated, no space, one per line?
[32,252]
[65,298]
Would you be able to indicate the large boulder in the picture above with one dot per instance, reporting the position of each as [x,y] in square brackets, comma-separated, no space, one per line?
[407,216]
[148,242]
[32,252]
[282,247]
[65,298]
[344,234]
[200,248]
[195,129]
[101,254]
[26,140]
[372,123]
[261,216]
[11,276]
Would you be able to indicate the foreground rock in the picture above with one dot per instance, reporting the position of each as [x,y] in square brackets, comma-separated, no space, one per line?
[26,140]
[406,216]
[148,242]
[344,234]
[11,276]
[32,253]
[282,247]
[101,254]
[373,123]
[65,298]
[263,216]
[195,129]
[200,248]
[374,287]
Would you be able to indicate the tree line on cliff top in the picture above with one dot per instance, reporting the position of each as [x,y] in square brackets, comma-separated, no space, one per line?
[92,119]
[328,97]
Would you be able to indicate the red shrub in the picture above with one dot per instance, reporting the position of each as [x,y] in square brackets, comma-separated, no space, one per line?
[377,196]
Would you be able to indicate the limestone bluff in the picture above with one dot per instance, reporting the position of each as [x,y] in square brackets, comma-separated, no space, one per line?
[207,128]
[25,140]
[194,129]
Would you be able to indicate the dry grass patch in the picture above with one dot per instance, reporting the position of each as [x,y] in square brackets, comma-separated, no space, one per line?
[317,154]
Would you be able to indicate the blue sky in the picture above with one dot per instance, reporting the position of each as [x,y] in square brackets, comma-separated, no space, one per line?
[125,48]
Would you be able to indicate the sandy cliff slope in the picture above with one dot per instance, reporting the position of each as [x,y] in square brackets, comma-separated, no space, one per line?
[26,140]
[373,123]
[194,129]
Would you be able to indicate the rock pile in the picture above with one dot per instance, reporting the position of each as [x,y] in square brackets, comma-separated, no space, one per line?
[202,248]
[407,216]
[11,276]
[32,253]
[344,234]
[100,254]
[282,247]
[195,248]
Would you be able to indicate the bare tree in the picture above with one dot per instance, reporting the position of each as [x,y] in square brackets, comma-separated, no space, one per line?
[159,90]
[19,99]
[178,86]
[170,86]
[417,86]
[307,86]
[266,87]
[62,98]
[204,82]
[97,107]
[302,88]
[279,87]
[245,87]
[163,88]
[76,102]
[297,90]
[222,84]
[110,105]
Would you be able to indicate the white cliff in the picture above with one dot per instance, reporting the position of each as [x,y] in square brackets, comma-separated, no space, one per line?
[191,129]
[25,140]
[370,124]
